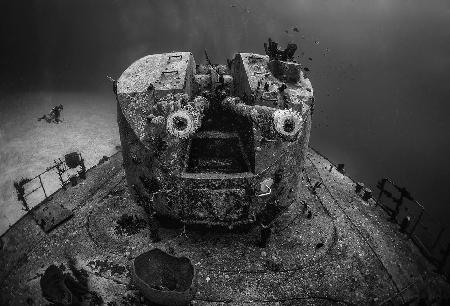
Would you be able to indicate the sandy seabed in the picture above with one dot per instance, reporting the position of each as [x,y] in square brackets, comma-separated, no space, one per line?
[28,146]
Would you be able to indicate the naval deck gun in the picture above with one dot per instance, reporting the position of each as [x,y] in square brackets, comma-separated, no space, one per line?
[214,144]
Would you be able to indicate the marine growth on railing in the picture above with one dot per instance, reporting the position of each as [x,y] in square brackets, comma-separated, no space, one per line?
[430,235]
[26,187]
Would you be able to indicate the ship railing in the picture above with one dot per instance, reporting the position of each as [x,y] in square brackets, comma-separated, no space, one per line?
[427,232]
[35,190]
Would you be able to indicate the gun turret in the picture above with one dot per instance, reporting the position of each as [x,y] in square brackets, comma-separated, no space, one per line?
[193,155]
[284,123]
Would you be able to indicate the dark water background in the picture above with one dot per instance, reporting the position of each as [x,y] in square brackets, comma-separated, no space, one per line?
[380,70]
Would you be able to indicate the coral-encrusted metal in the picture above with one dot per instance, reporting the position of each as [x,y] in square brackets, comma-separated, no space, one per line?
[200,142]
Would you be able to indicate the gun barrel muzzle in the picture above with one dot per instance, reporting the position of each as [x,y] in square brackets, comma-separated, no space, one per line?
[184,122]
[287,123]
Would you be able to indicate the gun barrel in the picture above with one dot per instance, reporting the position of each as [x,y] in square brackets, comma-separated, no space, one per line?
[287,123]
[184,122]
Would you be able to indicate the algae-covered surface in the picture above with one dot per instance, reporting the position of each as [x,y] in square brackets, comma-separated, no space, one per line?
[329,247]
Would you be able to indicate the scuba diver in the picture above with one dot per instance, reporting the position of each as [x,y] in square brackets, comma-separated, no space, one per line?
[54,115]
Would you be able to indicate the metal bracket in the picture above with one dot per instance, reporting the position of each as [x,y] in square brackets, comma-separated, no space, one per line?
[174,56]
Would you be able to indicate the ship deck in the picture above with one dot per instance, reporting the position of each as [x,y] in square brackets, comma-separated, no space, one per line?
[329,247]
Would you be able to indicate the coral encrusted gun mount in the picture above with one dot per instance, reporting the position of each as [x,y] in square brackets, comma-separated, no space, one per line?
[215,144]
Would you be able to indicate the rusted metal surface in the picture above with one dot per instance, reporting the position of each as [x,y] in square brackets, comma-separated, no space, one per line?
[51,215]
[184,121]
[271,122]
[180,138]
[261,218]
[327,247]
[163,278]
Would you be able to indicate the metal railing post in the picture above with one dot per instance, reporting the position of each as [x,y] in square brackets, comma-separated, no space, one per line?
[381,187]
[58,169]
[398,203]
[42,185]
[417,222]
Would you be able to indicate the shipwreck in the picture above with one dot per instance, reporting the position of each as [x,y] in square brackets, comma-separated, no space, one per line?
[216,198]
